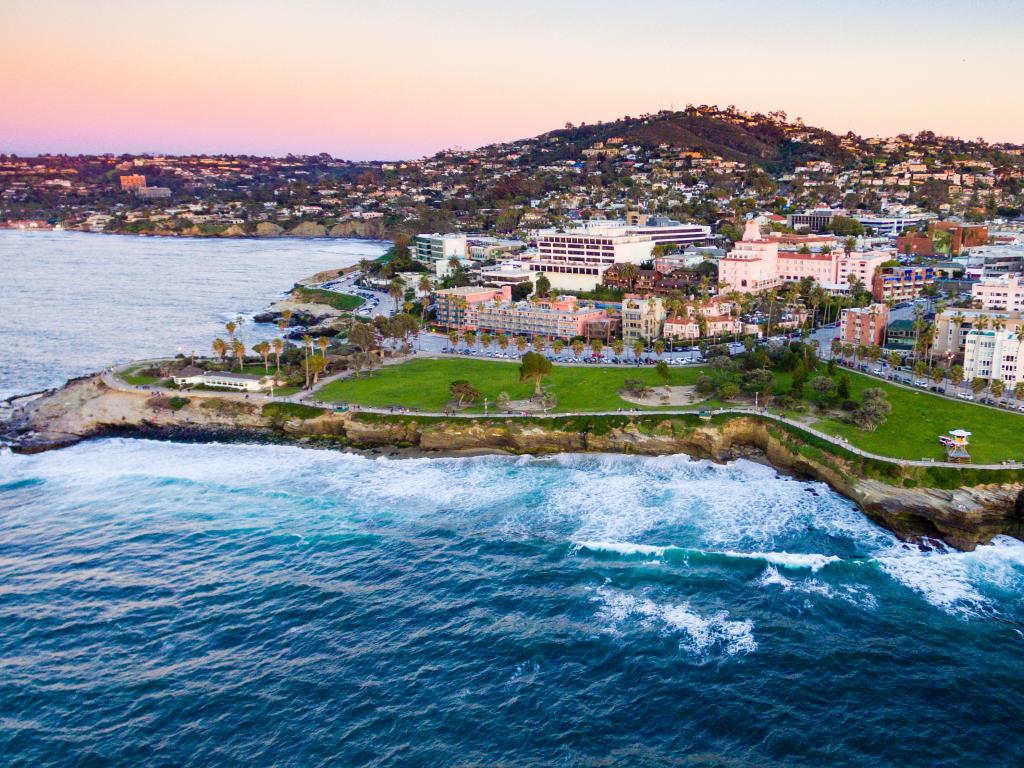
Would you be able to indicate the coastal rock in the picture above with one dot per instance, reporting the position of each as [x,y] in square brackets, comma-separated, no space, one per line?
[268,229]
[234,230]
[308,229]
[962,517]
[373,229]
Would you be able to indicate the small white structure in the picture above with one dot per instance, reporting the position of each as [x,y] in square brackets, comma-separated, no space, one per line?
[191,376]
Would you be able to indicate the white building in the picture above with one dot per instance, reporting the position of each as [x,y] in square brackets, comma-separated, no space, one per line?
[430,248]
[578,261]
[890,226]
[190,376]
[994,355]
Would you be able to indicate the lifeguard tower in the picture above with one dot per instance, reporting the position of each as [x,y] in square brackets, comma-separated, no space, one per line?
[956,445]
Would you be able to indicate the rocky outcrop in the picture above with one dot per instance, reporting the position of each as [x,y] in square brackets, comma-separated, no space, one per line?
[268,229]
[372,229]
[963,517]
[308,229]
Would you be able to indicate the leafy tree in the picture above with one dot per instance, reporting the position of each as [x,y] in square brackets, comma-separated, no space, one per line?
[823,388]
[728,391]
[843,387]
[364,336]
[873,410]
[534,367]
[757,381]
[663,371]
[463,391]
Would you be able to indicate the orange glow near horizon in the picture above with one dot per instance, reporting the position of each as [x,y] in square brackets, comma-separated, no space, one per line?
[401,80]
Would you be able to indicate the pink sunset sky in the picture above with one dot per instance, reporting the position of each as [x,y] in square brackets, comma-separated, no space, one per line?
[392,79]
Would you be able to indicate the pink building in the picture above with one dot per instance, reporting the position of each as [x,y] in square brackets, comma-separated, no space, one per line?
[1005,292]
[753,264]
[759,263]
[492,311]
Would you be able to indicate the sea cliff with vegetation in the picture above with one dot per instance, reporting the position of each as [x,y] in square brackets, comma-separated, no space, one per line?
[962,506]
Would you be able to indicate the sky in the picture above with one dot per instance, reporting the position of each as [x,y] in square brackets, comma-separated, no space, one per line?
[391,79]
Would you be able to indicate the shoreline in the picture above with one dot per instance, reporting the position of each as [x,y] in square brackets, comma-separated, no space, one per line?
[962,508]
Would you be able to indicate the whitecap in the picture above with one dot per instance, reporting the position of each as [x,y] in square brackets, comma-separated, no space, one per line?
[699,634]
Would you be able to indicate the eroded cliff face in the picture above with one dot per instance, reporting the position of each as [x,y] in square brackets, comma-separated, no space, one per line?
[963,517]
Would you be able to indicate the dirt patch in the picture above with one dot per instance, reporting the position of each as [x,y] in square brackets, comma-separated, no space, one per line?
[677,396]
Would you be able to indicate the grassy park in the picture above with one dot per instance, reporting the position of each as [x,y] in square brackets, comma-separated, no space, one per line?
[911,431]
[424,384]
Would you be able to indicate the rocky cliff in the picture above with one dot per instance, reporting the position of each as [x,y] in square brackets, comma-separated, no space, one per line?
[896,498]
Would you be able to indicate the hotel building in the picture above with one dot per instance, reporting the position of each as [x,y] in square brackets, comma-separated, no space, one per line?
[577,262]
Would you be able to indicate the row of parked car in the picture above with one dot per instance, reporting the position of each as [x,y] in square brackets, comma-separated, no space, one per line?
[902,376]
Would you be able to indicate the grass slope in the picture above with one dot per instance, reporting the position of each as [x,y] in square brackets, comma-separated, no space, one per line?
[918,418]
[340,301]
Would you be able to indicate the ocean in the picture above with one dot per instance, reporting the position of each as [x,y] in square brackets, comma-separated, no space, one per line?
[72,303]
[231,604]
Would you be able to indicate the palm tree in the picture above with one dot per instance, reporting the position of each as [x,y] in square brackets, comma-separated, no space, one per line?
[317,365]
[638,348]
[618,346]
[596,346]
[659,347]
[538,344]
[263,349]
[278,345]
[956,375]
[323,342]
[629,273]
[577,347]
[425,285]
[485,340]
[453,338]
[231,327]
[307,349]
[558,346]
[220,348]
[396,290]
[997,387]
[521,344]
[470,338]
[238,349]
[503,342]
[1018,391]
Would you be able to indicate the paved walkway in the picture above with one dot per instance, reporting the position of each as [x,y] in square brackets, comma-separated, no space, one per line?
[111,379]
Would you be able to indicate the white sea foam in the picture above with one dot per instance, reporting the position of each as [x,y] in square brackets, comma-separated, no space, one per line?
[621,548]
[957,582]
[788,559]
[851,593]
[699,634]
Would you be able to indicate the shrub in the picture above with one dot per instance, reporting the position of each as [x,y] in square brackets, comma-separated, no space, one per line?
[276,411]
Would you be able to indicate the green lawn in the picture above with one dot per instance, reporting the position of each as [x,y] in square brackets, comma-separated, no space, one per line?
[342,301]
[911,432]
[424,384]
[918,418]
[135,378]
